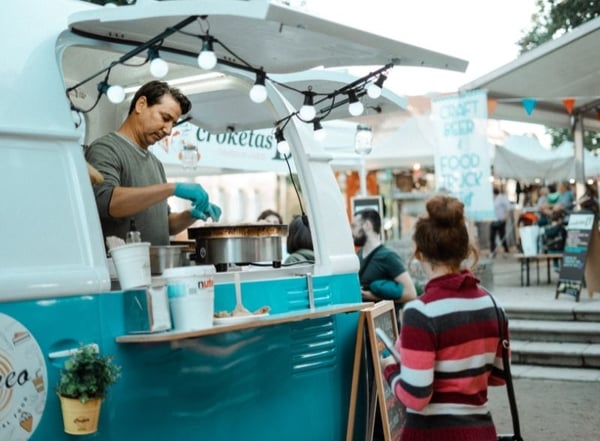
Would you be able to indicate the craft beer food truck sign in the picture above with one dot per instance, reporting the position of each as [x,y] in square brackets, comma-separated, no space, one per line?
[23,381]
[462,153]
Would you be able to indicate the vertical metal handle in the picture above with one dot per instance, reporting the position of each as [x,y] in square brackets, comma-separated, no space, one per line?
[311,291]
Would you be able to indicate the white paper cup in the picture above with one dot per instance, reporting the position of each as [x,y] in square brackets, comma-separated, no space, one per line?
[133,265]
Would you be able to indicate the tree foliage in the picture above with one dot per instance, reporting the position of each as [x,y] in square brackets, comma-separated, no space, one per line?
[552,19]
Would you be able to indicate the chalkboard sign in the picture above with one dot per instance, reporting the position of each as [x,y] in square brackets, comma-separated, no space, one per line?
[579,233]
[383,316]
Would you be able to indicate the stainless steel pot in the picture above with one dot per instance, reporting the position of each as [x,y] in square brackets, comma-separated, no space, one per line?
[238,244]
[166,256]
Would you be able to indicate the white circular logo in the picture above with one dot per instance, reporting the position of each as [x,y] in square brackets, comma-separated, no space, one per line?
[23,381]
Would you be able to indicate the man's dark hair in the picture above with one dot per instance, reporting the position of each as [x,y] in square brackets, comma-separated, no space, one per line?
[155,90]
[372,216]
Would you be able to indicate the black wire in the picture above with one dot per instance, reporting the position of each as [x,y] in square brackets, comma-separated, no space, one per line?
[286,157]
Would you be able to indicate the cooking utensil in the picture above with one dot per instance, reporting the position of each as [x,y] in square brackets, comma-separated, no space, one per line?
[239,307]
[166,256]
[238,244]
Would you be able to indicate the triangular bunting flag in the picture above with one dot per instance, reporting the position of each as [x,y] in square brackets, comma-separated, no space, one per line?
[569,103]
[491,106]
[529,104]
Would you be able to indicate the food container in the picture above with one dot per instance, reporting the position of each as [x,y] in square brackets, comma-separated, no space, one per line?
[191,296]
[166,256]
[147,310]
[238,244]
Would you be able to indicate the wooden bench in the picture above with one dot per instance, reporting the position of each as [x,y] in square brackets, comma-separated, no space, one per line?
[525,265]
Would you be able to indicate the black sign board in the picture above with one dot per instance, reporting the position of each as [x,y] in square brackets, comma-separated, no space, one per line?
[572,273]
[379,318]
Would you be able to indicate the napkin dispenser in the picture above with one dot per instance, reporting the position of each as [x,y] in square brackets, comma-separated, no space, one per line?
[147,309]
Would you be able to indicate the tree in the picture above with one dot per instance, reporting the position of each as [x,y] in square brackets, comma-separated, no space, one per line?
[552,19]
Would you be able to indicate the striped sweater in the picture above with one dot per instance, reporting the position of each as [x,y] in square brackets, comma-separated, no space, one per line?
[450,352]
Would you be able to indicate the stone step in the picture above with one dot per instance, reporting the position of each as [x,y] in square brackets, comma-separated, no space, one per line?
[580,355]
[555,331]
[530,371]
[548,311]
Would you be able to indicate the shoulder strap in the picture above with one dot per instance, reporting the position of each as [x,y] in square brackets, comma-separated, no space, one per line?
[366,260]
[502,324]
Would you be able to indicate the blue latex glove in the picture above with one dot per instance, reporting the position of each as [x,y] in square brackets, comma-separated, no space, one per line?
[213,211]
[193,192]
[387,289]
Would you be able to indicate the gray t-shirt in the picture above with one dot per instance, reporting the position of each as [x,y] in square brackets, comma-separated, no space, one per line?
[124,164]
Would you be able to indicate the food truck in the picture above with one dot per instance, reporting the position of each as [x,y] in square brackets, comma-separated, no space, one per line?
[286,374]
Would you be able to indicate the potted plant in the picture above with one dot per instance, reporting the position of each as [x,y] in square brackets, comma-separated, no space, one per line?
[84,382]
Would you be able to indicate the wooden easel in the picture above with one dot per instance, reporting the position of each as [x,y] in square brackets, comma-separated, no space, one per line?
[382,316]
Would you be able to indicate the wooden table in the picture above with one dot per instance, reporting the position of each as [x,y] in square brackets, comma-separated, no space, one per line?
[526,267]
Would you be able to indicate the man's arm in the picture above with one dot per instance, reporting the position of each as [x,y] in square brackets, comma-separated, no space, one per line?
[409,292]
[180,221]
[127,201]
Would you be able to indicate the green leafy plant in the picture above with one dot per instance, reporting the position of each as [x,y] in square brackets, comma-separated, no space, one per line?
[87,374]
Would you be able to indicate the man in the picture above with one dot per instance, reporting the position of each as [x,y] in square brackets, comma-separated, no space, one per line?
[498,226]
[382,273]
[135,184]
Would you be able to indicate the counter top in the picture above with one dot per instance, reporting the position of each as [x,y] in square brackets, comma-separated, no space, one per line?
[259,322]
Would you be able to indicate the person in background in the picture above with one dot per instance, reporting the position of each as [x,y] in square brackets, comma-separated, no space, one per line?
[449,342]
[271,217]
[382,274]
[135,185]
[299,241]
[498,226]
[566,199]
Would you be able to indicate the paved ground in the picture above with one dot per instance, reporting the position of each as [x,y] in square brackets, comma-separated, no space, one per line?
[549,410]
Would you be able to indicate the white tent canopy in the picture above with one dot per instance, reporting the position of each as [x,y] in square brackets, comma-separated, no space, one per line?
[524,158]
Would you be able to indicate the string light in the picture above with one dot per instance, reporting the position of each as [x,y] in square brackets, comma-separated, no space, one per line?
[114,93]
[318,131]
[258,92]
[207,59]
[374,89]
[282,145]
[158,67]
[307,111]
[355,107]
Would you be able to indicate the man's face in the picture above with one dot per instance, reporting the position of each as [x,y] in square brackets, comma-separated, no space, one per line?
[358,232]
[158,119]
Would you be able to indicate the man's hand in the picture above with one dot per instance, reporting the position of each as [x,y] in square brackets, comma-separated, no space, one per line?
[213,211]
[195,193]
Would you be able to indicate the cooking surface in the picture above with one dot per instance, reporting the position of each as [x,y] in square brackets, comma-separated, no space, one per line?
[237,230]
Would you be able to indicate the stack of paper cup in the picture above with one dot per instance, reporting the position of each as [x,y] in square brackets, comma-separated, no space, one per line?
[133,265]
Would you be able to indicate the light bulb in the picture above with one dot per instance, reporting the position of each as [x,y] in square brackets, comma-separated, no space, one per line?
[115,94]
[318,131]
[307,113]
[207,60]
[258,93]
[374,91]
[356,108]
[283,147]
[159,67]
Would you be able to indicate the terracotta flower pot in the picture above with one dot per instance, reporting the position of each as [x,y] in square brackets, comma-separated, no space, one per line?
[79,418]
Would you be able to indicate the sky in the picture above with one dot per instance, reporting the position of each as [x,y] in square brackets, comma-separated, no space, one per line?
[483,32]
